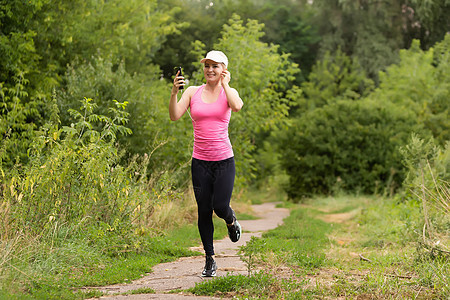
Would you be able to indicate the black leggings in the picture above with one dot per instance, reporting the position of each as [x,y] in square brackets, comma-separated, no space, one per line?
[213,185]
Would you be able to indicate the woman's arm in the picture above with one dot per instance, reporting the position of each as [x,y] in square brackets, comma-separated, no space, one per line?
[178,108]
[234,101]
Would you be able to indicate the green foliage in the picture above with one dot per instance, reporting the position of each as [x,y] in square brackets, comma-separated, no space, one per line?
[389,225]
[380,228]
[346,145]
[141,291]
[167,143]
[434,273]
[39,38]
[57,268]
[426,164]
[420,83]
[74,176]
[16,132]
[131,31]
[258,285]
[287,25]
[334,77]
[428,185]
[300,240]
[263,79]
[370,31]
[21,105]
[250,253]
[429,20]
[340,143]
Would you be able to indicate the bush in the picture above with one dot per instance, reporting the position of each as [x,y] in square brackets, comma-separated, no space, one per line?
[345,142]
[349,145]
[74,177]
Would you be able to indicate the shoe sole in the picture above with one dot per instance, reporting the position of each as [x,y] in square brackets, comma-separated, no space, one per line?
[214,271]
[212,275]
[238,235]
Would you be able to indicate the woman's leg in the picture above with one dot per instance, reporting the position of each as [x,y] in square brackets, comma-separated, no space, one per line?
[202,181]
[224,174]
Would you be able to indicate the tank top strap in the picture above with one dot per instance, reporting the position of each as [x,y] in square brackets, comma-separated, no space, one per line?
[198,94]
[222,96]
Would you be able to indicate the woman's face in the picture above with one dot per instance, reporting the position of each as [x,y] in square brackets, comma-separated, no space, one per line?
[213,70]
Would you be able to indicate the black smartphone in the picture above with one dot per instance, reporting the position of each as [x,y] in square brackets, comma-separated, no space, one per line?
[180,74]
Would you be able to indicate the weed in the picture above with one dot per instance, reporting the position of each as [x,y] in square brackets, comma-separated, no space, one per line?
[53,270]
[434,273]
[140,291]
[250,253]
[260,284]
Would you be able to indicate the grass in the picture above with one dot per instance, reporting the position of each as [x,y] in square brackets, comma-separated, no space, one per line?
[268,193]
[56,271]
[372,254]
[58,268]
[301,239]
[329,247]
[140,291]
[237,283]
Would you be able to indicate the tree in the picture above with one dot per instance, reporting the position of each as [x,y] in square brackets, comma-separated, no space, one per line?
[371,31]
[420,83]
[40,38]
[346,145]
[428,20]
[335,76]
[286,24]
[22,97]
[354,145]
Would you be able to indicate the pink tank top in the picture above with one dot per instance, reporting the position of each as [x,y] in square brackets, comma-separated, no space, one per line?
[210,122]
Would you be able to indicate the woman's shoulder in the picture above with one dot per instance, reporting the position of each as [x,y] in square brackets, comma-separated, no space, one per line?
[193,89]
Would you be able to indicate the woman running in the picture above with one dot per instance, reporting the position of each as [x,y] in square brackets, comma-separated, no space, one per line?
[213,167]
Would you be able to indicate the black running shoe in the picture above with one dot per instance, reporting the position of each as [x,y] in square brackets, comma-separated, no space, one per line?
[234,230]
[210,267]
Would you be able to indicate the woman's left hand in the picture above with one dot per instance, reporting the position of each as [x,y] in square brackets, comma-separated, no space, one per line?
[226,77]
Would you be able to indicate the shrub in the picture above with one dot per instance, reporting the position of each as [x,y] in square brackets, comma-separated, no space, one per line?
[344,142]
[74,177]
[350,145]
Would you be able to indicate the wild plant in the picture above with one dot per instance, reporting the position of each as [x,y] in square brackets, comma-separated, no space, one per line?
[428,183]
[75,177]
[251,253]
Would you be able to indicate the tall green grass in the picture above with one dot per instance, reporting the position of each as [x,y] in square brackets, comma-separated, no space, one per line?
[44,270]
[79,214]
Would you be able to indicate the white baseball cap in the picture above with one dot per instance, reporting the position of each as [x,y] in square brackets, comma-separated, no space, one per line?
[216,56]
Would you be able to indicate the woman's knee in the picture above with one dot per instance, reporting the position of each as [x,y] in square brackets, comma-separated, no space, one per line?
[222,211]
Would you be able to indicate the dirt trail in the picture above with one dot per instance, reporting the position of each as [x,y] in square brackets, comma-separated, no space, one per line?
[185,272]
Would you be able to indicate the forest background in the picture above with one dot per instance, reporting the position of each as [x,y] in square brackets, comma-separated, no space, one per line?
[339,96]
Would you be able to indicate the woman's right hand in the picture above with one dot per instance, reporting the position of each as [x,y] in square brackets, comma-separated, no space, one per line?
[177,82]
